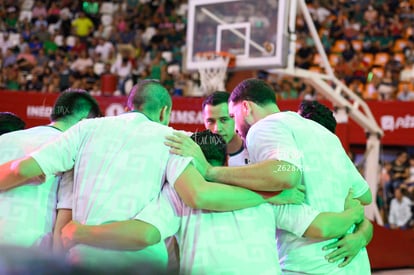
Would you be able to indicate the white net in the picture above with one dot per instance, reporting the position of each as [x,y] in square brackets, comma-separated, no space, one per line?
[213,72]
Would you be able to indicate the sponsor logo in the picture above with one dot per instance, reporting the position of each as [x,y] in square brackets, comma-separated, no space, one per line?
[391,123]
[186,117]
[38,111]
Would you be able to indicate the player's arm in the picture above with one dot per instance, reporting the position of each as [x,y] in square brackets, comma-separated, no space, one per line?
[124,235]
[198,193]
[17,172]
[56,156]
[366,198]
[329,225]
[63,217]
[351,244]
[155,222]
[268,175]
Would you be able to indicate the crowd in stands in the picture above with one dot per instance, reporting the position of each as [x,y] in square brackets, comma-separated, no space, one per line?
[396,191]
[370,45]
[48,46]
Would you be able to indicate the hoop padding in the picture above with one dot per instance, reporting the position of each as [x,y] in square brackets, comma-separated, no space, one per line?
[212,67]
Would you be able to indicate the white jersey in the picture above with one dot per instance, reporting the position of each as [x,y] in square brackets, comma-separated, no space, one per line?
[27,213]
[328,174]
[119,167]
[240,158]
[236,242]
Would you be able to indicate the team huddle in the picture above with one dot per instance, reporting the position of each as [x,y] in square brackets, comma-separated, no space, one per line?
[259,192]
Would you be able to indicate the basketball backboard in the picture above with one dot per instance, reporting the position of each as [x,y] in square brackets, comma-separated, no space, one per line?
[255,31]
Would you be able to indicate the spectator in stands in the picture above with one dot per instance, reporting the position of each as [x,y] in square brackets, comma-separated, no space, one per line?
[42,59]
[406,94]
[359,67]
[43,34]
[78,47]
[34,82]
[81,63]
[10,122]
[399,173]
[11,19]
[349,52]
[5,43]
[357,87]
[352,29]
[395,66]
[408,184]
[385,41]
[105,49]
[65,23]
[53,13]
[9,58]
[91,9]
[49,45]
[39,22]
[336,29]
[343,70]
[35,44]
[122,68]
[304,55]
[89,78]
[82,26]
[319,13]
[27,32]
[38,10]
[158,67]
[407,73]
[26,60]
[287,90]
[396,27]
[371,15]
[387,87]
[409,52]
[400,216]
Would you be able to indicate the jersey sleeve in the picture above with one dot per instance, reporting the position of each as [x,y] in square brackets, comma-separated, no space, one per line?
[175,166]
[358,183]
[272,139]
[65,191]
[60,154]
[161,213]
[294,218]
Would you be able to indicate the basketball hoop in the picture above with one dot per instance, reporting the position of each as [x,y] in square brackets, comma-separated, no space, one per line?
[212,67]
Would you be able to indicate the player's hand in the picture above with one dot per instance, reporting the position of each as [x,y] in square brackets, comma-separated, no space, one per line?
[68,234]
[183,145]
[294,195]
[346,249]
[355,206]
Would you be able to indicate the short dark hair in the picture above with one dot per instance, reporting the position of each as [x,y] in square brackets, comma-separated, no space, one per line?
[10,122]
[149,94]
[72,101]
[318,112]
[215,99]
[213,146]
[255,90]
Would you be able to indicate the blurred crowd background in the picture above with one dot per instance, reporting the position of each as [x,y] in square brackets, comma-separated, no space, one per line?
[47,46]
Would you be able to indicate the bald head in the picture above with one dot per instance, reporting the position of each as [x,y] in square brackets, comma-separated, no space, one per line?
[152,99]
